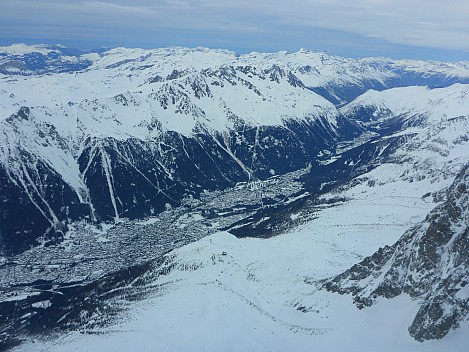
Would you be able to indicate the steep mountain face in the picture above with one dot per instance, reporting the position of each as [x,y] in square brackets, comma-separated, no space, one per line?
[150,142]
[430,263]
[128,132]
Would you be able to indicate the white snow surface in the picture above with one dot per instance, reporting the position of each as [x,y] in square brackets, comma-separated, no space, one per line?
[437,105]
[114,98]
[262,294]
[21,49]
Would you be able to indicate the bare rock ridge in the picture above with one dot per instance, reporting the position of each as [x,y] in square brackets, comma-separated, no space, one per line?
[430,263]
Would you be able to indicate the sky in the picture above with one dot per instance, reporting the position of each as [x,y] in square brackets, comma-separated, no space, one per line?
[421,29]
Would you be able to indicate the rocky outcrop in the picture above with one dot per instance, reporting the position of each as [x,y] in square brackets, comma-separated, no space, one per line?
[430,263]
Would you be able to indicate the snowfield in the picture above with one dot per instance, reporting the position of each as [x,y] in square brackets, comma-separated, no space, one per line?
[229,294]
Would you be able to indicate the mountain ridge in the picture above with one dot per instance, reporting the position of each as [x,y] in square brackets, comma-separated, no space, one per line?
[107,169]
[428,263]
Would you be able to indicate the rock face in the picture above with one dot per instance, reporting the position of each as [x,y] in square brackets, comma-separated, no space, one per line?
[430,263]
[45,181]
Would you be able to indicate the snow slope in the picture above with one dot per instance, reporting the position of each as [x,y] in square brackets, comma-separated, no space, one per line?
[262,295]
[434,105]
[428,263]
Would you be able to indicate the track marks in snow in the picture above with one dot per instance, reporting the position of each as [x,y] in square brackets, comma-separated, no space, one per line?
[292,327]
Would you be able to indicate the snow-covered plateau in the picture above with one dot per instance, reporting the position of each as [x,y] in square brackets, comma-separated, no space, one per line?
[198,200]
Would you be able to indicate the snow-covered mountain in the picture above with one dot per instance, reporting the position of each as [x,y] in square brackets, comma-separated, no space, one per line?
[141,119]
[429,262]
[207,119]
[108,163]
[407,106]
[21,59]
[336,78]
[265,290]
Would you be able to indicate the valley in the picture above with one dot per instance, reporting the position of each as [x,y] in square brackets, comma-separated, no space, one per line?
[146,192]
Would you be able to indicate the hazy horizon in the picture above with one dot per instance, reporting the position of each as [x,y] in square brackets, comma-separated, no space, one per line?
[423,29]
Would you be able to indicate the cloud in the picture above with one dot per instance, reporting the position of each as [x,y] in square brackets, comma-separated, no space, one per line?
[116,8]
[438,24]
[422,23]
